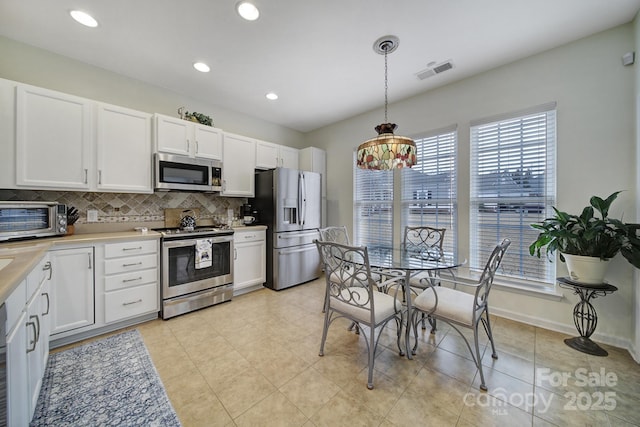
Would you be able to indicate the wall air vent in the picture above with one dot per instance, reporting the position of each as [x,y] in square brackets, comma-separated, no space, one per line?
[436,69]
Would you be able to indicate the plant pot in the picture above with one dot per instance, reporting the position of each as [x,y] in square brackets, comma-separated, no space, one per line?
[585,269]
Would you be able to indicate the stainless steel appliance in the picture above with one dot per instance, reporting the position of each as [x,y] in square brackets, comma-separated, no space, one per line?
[289,202]
[22,220]
[173,172]
[188,285]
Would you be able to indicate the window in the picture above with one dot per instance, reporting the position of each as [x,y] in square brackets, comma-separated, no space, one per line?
[429,188]
[512,185]
[373,204]
[425,194]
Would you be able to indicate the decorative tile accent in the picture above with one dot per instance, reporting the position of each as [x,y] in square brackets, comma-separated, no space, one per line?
[129,207]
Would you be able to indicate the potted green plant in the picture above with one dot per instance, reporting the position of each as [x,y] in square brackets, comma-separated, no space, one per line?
[586,242]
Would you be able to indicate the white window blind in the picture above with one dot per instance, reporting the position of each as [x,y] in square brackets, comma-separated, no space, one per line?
[429,188]
[513,176]
[373,207]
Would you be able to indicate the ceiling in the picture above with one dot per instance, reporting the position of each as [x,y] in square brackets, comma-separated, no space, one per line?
[317,55]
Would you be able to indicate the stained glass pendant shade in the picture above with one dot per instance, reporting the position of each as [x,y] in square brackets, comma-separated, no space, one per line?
[386,151]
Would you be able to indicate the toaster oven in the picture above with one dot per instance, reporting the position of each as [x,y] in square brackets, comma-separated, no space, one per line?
[24,220]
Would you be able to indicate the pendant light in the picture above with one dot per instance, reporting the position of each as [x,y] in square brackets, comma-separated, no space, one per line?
[386,151]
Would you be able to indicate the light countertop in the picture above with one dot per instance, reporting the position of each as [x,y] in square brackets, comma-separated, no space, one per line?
[25,255]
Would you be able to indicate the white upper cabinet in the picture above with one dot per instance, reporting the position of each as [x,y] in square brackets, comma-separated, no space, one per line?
[239,162]
[270,156]
[267,155]
[7,133]
[66,142]
[177,136]
[208,142]
[53,139]
[288,157]
[124,150]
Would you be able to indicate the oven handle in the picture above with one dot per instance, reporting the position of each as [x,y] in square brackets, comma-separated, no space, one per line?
[192,242]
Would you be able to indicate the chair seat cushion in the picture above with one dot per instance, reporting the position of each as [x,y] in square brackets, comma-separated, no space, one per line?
[384,305]
[452,304]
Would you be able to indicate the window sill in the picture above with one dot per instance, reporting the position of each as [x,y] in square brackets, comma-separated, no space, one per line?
[504,285]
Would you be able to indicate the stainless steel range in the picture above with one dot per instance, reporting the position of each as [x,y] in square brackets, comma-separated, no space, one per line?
[197,269]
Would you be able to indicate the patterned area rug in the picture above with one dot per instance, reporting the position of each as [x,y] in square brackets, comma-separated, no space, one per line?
[109,382]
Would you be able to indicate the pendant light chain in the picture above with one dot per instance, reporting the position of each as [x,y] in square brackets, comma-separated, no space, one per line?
[386,84]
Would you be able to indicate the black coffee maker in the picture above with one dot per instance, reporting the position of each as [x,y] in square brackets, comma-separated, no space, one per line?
[248,216]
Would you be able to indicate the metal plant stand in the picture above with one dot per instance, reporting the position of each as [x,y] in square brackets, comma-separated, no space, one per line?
[584,314]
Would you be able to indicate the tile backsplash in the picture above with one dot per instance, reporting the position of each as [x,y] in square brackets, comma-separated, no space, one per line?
[129,207]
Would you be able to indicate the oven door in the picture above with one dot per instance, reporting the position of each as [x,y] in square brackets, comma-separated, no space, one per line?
[179,273]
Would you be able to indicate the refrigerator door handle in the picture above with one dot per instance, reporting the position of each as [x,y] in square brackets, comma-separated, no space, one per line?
[303,192]
[293,235]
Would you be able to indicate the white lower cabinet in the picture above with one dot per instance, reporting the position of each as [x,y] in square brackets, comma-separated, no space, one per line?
[27,343]
[17,384]
[131,279]
[73,289]
[249,259]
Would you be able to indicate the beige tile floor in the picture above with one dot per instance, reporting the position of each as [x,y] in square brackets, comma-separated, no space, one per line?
[254,362]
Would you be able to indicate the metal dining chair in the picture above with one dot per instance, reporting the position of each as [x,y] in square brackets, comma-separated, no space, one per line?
[352,293]
[339,234]
[462,309]
[426,243]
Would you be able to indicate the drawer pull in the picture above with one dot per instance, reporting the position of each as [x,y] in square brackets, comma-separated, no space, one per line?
[250,237]
[132,302]
[132,264]
[139,248]
[131,280]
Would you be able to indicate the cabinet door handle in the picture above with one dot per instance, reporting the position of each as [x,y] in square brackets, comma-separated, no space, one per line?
[132,302]
[138,248]
[197,146]
[132,264]
[188,146]
[46,294]
[33,342]
[131,280]
[235,253]
[47,266]
[99,176]
[89,256]
[36,332]
[86,176]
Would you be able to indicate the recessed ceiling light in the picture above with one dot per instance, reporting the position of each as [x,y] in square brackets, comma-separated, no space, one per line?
[248,10]
[202,67]
[84,18]
[272,96]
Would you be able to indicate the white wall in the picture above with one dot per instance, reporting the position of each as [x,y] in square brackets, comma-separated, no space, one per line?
[636,28]
[596,153]
[27,64]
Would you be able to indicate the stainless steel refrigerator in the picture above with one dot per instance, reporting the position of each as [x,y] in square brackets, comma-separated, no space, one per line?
[289,204]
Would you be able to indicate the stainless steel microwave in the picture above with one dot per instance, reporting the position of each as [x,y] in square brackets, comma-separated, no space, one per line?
[175,172]
[22,220]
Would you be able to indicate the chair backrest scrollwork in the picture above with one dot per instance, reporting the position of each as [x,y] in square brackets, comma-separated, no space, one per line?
[425,241]
[489,272]
[336,234]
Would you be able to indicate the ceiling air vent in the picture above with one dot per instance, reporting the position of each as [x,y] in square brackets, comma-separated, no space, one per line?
[436,69]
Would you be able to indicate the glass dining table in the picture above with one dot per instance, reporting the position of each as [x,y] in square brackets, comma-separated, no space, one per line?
[400,261]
